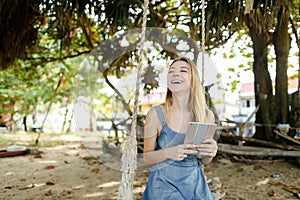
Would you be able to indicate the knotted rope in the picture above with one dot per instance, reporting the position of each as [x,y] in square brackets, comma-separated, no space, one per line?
[203,38]
[129,146]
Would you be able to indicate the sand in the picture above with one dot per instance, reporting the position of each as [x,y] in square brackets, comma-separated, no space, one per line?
[79,169]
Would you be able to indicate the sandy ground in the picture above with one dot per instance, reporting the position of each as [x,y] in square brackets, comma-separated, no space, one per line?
[80,170]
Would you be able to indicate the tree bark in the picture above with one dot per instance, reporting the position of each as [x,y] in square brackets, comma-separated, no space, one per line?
[262,86]
[281,42]
[262,79]
[25,123]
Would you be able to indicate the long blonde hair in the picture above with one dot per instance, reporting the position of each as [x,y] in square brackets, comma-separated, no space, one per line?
[197,104]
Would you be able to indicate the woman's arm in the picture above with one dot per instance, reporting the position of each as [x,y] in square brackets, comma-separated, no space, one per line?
[152,156]
[150,135]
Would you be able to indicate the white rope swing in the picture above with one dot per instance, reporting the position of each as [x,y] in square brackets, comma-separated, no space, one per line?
[203,38]
[129,146]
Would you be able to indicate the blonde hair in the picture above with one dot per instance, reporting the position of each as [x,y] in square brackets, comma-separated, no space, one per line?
[197,104]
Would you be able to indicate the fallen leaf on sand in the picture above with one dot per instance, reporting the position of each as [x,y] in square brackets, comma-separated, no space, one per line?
[258,167]
[48,193]
[65,192]
[294,190]
[276,183]
[50,167]
[225,161]
[272,193]
[240,169]
[95,170]
[38,156]
[50,182]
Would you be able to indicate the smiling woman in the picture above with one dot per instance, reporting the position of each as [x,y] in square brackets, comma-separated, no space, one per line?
[176,172]
[179,76]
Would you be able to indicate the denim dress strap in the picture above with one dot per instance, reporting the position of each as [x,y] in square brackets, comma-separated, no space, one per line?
[160,115]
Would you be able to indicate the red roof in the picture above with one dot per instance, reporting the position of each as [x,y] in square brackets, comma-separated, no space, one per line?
[249,87]
[293,84]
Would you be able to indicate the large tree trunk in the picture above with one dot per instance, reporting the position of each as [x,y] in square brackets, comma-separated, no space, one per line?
[281,42]
[262,80]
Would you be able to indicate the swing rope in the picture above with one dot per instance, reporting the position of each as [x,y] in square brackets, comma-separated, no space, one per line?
[129,146]
[203,38]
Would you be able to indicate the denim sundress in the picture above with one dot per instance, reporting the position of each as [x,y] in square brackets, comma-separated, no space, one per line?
[175,180]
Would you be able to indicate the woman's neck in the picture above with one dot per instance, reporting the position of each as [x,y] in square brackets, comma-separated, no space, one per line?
[180,101]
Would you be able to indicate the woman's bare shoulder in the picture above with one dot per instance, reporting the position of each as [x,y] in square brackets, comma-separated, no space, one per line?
[153,112]
[153,117]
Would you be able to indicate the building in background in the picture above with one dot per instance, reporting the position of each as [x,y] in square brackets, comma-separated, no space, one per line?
[247,106]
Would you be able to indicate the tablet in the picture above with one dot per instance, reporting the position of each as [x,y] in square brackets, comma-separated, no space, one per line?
[197,131]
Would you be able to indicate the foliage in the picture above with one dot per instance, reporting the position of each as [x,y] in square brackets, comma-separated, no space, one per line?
[42,42]
[19,31]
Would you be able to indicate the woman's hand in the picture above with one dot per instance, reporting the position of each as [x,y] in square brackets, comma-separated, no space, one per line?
[180,152]
[208,148]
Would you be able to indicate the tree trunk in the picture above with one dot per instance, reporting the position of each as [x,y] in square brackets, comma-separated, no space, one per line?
[281,42]
[295,110]
[70,123]
[65,119]
[25,123]
[262,80]
[50,104]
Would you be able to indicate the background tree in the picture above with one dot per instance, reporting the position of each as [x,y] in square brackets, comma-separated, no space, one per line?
[266,22]
[56,30]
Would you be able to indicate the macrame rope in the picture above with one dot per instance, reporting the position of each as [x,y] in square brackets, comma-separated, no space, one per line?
[203,38]
[129,146]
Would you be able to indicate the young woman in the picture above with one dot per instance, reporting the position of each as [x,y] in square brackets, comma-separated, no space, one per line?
[176,173]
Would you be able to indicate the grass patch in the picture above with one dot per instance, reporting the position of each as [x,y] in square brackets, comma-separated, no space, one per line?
[29,139]
[50,143]
[5,142]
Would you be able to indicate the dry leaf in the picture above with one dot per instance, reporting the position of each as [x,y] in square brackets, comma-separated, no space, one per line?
[276,183]
[257,167]
[84,177]
[207,171]
[38,156]
[95,170]
[272,193]
[50,167]
[50,182]
[48,193]
[240,169]
[294,190]
[82,146]
[224,161]
[65,192]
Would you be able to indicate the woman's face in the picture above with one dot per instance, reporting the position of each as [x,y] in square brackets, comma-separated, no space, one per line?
[179,77]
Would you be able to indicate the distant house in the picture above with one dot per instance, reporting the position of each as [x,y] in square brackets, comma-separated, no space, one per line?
[247,102]
[247,99]
[148,100]
[226,110]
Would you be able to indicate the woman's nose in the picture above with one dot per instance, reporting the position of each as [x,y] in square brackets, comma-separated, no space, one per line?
[176,73]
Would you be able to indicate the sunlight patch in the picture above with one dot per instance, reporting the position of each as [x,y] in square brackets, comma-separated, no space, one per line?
[110,184]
